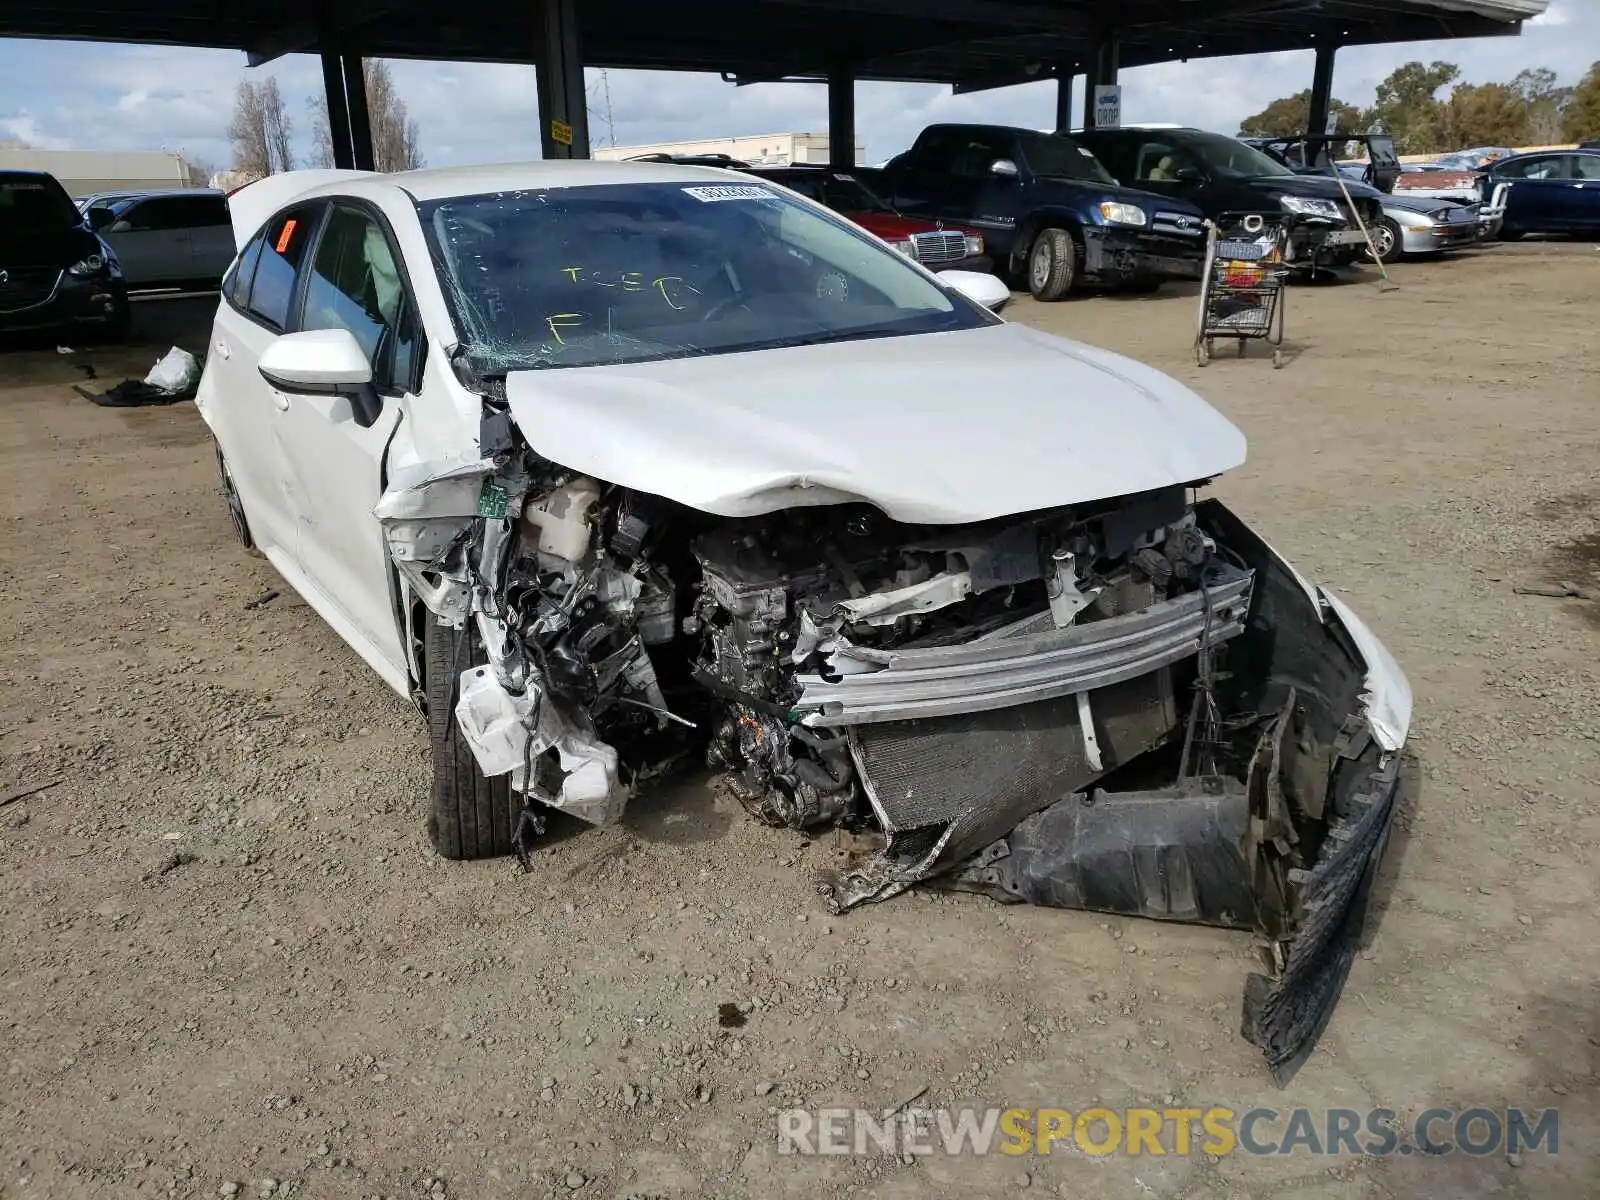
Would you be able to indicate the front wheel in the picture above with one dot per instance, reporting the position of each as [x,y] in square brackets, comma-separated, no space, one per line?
[1388,241]
[1052,264]
[471,815]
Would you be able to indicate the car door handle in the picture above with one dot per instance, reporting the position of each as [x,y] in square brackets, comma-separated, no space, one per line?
[281,401]
[223,349]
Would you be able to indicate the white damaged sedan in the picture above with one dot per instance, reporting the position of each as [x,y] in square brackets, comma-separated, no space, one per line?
[617,468]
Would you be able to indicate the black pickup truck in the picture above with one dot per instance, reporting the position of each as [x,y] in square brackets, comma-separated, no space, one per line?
[1046,208]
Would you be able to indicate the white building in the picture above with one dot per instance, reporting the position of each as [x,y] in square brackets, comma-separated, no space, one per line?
[766,149]
[85,171]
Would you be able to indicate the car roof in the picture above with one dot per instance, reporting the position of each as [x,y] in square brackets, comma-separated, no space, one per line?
[253,203]
[439,183]
[151,193]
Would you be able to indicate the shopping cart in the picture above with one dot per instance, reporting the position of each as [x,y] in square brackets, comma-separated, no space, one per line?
[1241,293]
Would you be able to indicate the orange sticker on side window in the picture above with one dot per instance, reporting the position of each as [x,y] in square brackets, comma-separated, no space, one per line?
[286,235]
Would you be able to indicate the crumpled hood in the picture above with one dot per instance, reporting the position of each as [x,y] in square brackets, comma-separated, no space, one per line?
[945,428]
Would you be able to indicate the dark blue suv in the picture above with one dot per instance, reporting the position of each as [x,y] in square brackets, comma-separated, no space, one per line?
[1046,208]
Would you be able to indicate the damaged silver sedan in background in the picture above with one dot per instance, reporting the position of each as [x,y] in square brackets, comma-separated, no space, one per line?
[618,469]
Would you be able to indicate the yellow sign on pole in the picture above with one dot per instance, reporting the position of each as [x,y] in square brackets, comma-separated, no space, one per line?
[561,132]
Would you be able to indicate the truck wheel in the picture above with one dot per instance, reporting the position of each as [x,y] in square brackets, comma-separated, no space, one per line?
[1052,264]
[473,816]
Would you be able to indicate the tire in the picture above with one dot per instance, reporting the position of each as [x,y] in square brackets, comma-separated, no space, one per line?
[230,496]
[471,816]
[1389,241]
[1052,264]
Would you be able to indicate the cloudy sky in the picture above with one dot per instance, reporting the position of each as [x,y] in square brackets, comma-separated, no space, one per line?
[77,95]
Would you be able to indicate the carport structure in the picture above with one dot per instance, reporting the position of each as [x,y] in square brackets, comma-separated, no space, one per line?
[970,44]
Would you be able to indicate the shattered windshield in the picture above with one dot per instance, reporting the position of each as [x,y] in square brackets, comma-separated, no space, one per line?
[584,276]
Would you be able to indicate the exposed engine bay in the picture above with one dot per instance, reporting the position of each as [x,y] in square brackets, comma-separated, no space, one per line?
[1131,706]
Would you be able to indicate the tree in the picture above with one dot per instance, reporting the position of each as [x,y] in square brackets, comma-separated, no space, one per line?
[1408,107]
[1488,114]
[1581,120]
[260,130]
[1291,116]
[396,145]
[1546,102]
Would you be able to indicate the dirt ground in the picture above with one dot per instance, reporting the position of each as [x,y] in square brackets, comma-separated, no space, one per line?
[228,955]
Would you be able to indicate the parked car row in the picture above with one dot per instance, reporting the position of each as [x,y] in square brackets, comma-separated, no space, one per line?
[1467,197]
[70,263]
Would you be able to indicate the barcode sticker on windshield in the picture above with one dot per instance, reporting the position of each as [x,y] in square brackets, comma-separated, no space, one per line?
[730,192]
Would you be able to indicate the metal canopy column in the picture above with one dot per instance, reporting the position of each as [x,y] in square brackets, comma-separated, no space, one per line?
[355,93]
[1322,90]
[841,118]
[338,110]
[1103,74]
[1064,78]
[563,100]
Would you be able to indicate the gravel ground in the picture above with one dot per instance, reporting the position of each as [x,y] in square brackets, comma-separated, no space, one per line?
[230,964]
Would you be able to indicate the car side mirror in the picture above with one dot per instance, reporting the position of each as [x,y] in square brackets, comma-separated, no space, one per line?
[982,289]
[1004,168]
[323,362]
[1189,175]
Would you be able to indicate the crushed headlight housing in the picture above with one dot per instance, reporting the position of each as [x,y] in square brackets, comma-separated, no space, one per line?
[1123,214]
[1308,206]
[92,265]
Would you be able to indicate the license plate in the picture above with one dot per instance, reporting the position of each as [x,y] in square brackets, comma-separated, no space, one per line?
[1345,237]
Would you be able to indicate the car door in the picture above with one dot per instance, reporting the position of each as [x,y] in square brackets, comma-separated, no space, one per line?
[1585,174]
[238,404]
[336,468]
[210,237]
[151,238]
[1541,197]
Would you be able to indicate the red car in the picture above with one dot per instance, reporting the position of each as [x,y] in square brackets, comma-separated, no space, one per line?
[937,247]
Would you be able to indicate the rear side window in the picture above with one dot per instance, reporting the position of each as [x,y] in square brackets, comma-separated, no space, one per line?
[158,213]
[1546,167]
[236,287]
[207,210]
[283,244]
